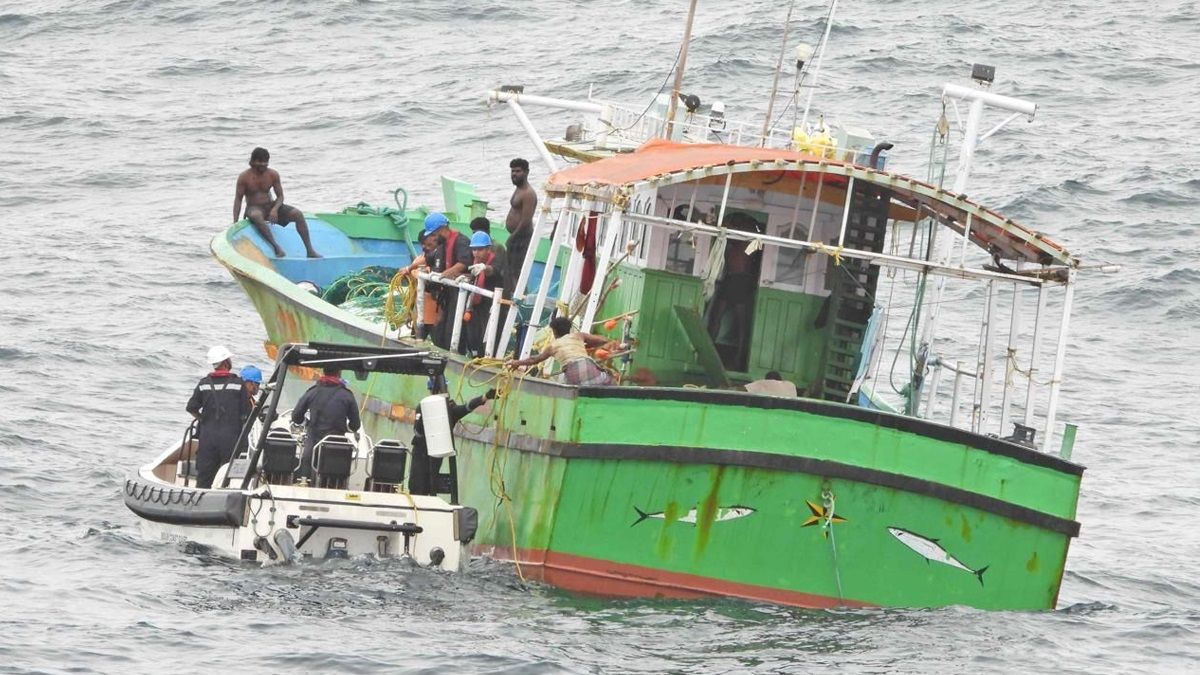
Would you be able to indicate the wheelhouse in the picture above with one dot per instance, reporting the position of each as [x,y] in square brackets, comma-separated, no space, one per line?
[724,263]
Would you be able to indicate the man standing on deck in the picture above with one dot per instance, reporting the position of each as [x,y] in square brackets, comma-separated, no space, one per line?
[220,405]
[453,259]
[482,224]
[424,262]
[331,409]
[255,185]
[486,273]
[521,207]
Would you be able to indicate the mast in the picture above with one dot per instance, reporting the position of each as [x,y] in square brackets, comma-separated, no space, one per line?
[683,51]
[812,87]
[787,24]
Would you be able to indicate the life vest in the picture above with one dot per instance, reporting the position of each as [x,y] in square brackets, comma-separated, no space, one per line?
[448,258]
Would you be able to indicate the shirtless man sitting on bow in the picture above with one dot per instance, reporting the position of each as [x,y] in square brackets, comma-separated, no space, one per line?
[255,185]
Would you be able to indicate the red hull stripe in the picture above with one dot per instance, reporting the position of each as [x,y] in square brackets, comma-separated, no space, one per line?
[606,578]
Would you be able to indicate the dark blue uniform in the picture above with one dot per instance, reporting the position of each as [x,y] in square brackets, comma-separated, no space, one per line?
[331,409]
[424,467]
[221,401]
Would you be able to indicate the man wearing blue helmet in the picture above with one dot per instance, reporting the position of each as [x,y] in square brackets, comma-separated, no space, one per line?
[426,261]
[486,272]
[452,260]
[252,380]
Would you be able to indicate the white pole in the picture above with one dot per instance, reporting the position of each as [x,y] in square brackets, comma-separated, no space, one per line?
[962,261]
[679,67]
[846,211]
[601,282]
[1035,353]
[812,86]
[724,200]
[561,232]
[975,94]
[958,375]
[796,209]
[489,333]
[1010,359]
[460,306]
[1059,357]
[933,388]
[812,221]
[568,282]
[535,237]
[533,135]
[419,320]
[983,370]
[546,101]
[787,25]
[965,157]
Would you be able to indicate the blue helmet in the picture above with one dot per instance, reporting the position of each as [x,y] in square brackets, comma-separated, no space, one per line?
[435,221]
[251,374]
[481,240]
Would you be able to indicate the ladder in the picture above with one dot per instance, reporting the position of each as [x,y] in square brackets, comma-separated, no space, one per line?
[852,290]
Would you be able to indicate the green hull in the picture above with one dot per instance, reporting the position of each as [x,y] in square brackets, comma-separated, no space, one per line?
[645,491]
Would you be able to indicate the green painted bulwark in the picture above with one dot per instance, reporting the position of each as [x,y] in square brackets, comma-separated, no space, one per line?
[793,433]
[359,226]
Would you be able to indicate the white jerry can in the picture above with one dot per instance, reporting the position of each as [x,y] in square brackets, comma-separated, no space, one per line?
[435,416]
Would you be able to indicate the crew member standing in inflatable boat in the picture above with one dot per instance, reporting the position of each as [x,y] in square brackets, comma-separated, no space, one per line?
[331,409]
[220,405]
[424,467]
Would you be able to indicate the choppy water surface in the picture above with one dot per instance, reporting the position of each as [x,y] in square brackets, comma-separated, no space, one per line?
[123,125]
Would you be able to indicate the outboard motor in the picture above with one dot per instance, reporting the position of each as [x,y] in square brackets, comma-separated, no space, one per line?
[286,546]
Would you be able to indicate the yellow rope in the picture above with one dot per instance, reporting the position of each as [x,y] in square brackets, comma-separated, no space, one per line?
[507,386]
[404,286]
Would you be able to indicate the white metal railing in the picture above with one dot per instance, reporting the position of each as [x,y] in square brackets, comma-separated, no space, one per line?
[465,291]
[881,259]
[621,128]
[612,126]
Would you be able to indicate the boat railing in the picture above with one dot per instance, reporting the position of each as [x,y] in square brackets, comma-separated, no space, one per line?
[465,290]
[618,128]
[992,407]
[882,259]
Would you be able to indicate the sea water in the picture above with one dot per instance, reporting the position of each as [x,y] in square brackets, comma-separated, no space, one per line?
[123,125]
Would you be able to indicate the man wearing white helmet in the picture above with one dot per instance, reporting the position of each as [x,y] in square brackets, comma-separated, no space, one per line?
[220,405]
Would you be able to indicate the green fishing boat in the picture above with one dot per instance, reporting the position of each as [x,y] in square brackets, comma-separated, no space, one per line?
[835,383]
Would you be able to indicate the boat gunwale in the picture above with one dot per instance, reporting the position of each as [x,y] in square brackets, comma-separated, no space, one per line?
[914,425]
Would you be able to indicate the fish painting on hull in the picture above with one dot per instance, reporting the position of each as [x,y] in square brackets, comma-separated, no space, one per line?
[723,513]
[929,549]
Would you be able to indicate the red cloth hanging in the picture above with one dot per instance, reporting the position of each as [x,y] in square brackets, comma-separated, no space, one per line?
[585,243]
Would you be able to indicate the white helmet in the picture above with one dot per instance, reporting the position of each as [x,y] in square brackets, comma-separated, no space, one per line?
[218,354]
